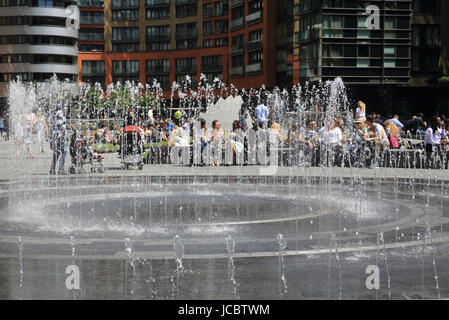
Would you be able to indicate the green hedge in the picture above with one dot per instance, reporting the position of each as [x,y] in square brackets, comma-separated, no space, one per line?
[104,148]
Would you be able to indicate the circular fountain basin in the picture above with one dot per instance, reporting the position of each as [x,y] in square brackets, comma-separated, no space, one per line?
[331,226]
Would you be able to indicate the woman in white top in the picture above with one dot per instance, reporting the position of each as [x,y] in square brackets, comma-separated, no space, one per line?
[360,112]
[433,136]
[332,143]
[30,122]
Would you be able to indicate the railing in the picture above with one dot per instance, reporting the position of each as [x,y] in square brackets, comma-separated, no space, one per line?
[254,45]
[185,69]
[158,37]
[236,3]
[158,71]
[236,49]
[185,1]
[237,23]
[254,68]
[186,35]
[92,19]
[157,3]
[93,36]
[254,17]
[93,72]
[91,3]
[211,67]
[237,71]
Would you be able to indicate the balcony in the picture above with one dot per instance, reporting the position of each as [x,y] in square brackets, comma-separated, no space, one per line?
[236,72]
[185,69]
[254,45]
[156,3]
[91,36]
[186,35]
[236,3]
[158,37]
[92,20]
[158,71]
[303,7]
[185,2]
[93,72]
[237,49]
[254,17]
[211,67]
[237,23]
[254,68]
[91,3]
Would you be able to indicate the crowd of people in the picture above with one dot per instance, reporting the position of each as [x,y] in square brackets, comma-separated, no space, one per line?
[327,141]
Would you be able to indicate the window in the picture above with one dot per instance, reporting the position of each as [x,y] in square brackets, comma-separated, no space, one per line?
[212,63]
[256,35]
[158,33]
[221,26]
[221,8]
[255,57]
[94,34]
[164,81]
[92,67]
[221,42]
[91,17]
[157,67]
[186,44]
[186,30]
[207,43]
[187,10]
[125,15]
[207,10]
[125,34]
[207,28]
[158,46]
[158,13]
[125,67]
[125,39]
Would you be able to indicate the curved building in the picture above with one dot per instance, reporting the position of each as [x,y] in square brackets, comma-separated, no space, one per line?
[35,42]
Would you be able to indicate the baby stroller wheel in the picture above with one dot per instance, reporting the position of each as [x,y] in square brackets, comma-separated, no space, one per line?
[140,167]
[100,170]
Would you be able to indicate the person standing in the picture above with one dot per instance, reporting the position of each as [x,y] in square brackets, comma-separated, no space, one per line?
[307,139]
[262,113]
[42,129]
[57,122]
[432,140]
[29,130]
[2,127]
[216,140]
[6,122]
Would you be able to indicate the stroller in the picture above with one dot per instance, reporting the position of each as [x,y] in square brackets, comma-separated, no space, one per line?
[82,153]
[131,147]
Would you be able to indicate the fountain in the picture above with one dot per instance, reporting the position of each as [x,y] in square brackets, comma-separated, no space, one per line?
[338,219]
